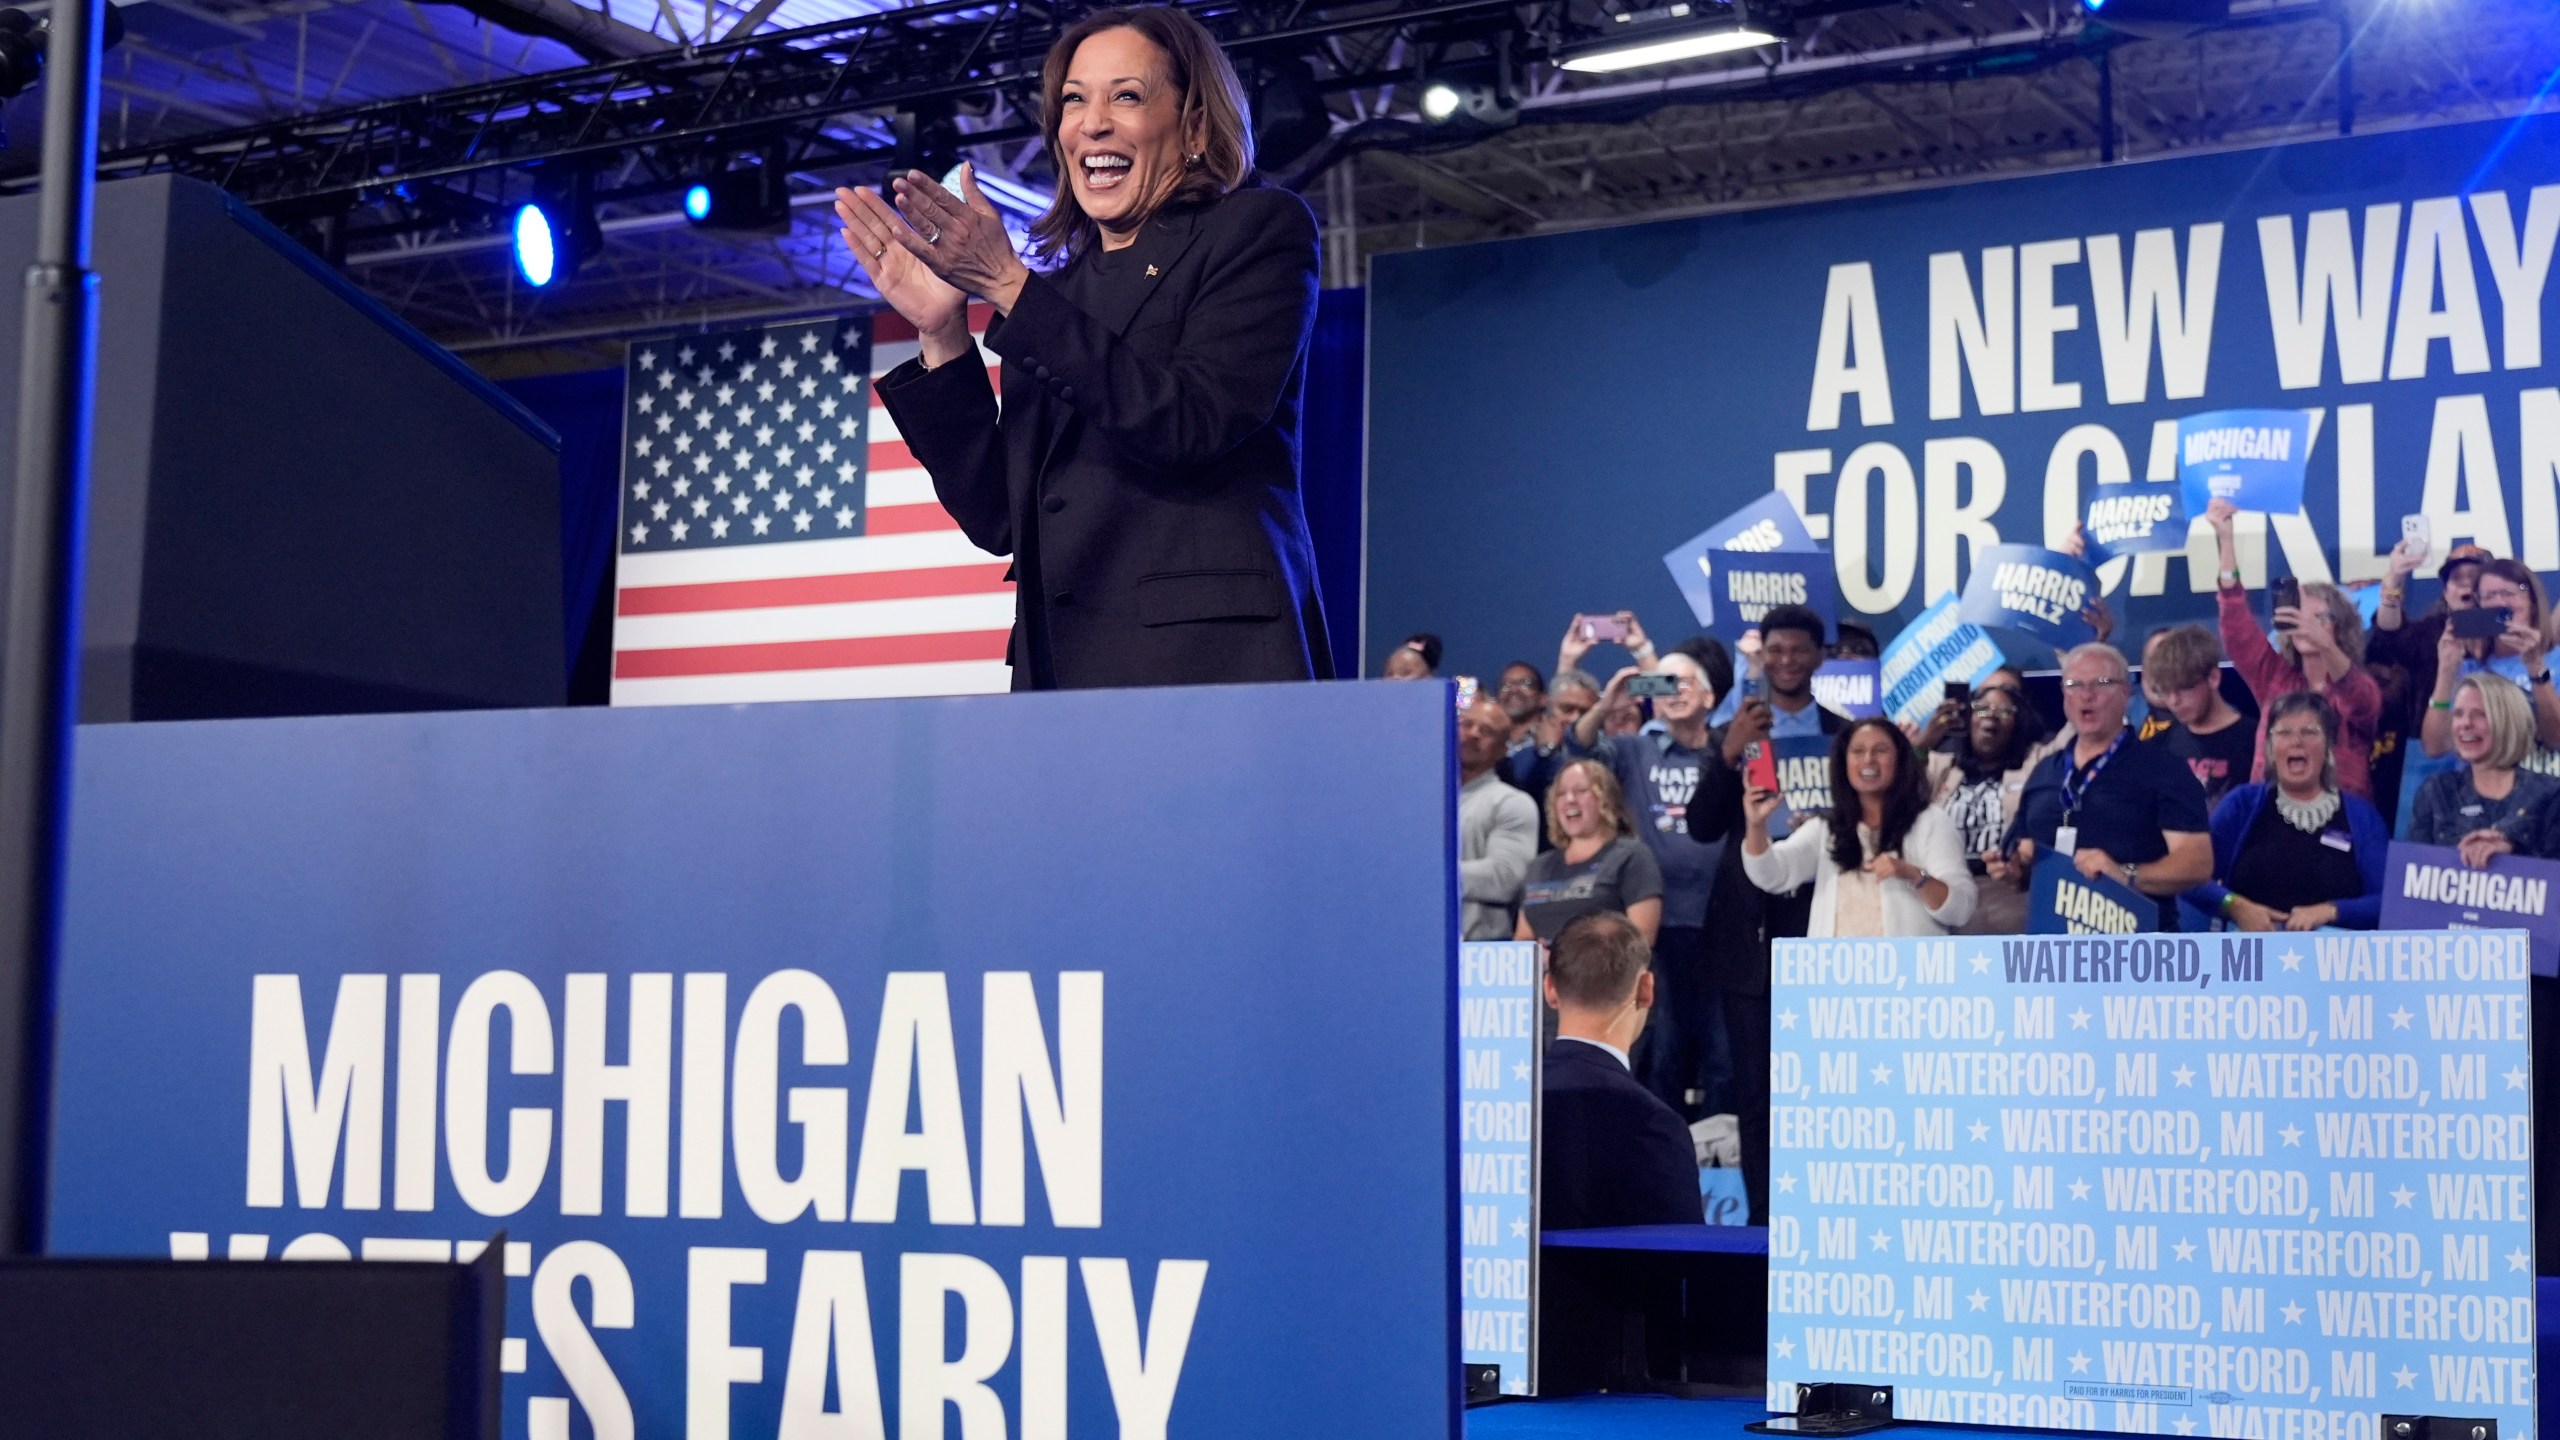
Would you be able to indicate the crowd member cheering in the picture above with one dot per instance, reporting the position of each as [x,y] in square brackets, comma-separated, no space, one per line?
[2121,811]
[2409,643]
[1884,861]
[1523,693]
[2520,654]
[1659,773]
[1742,918]
[1531,769]
[2182,678]
[1144,476]
[1497,826]
[2319,647]
[1999,740]
[2488,807]
[2294,851]
[1416,657]
[1594,865]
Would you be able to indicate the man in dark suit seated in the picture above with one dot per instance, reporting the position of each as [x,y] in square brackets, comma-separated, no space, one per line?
[1611,1153]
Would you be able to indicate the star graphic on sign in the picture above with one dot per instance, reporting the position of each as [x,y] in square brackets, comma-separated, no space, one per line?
[679,529]
[639,534]
[2079,1189]
[804,475]
[762,523]
[2400,1018]
[738,502]
[764,435]
[720,527]
[720,483]
[702,419]
[827,407]
[2405,1378]
[800,521]
[641,446]
[844,472]
[703,376]
[786,410]
[846,427]
[826,450]
[648,359]
[702,462]
[2518,1260]
[2292,1134]
[646,402]
[2401,1197]
[1880,1074]
[767,348]
[666,379]
[658,510]
[2292,959]
[684,444]
[2080,1018]
[1981,964]
[662,465]
[764,479]
[764,391]
[1979,1130]
[701,507]
[2292,1312]
[2184,1249]
[828,362]
[826,496]
[684,399]
[1879,1240]
[2516,1078]
[728,352]
[844,521]
[1786,1019]
[639,489]
[2080,1362]
[809,341]
[1977,1299]
[808,386]
[1519,1229]
[788,366]
[664,423]
[1787,1184]
[726,394]
[851,381]
[807,432]
[1786,1349]
[684,355]
[746,414]
[723,438]
[2186,1426]
[782,454]
[1518,1072]
[2184,1074]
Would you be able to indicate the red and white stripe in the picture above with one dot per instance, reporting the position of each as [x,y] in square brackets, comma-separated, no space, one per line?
[910,607]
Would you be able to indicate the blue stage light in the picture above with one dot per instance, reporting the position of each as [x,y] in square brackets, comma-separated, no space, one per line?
[537,246]
[697,202]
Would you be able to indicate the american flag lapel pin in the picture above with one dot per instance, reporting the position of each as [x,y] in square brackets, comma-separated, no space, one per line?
[1151,272]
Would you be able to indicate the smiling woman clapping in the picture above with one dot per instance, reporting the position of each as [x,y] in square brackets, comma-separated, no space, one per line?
[1143,470]
[1883,862]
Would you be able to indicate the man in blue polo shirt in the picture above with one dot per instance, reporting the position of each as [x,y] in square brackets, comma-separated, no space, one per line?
[2125,811]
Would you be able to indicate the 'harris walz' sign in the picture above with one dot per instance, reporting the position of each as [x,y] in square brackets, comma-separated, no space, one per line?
[2427,887]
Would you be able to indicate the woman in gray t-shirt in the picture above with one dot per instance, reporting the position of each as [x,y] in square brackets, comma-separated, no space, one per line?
[1595,865]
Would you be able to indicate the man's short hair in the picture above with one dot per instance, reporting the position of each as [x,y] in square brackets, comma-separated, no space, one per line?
[1793,617]
[1534,673]
[1567,679]
[2101,651]
[1597,959]
[2183,656]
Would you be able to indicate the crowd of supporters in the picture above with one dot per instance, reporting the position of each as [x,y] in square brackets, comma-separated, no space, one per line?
[2262,805]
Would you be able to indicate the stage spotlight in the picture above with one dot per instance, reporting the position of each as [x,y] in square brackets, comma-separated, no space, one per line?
[1666,35]
[2158,19]
[697,202]
[1471,96]
[555,233]
[537,246]
[1440,101]
[752,199]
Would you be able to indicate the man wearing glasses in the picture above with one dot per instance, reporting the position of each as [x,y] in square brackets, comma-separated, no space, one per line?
[2121,811]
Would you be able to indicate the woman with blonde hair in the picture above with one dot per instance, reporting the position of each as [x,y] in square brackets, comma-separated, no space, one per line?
[1597,863]
[2488,807]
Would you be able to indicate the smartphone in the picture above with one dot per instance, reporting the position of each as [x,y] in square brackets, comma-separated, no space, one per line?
[1959,691]
[2414,527]
[2288,591]
[1603,627]
[1468,689]
[1760,767]
[1654,685]
[1750,688]
[2480,624]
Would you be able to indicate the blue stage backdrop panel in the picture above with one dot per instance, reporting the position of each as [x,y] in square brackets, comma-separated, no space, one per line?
[1259,877]
[1549,415]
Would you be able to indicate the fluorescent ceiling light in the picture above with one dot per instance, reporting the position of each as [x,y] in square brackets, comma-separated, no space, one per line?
[1635,54]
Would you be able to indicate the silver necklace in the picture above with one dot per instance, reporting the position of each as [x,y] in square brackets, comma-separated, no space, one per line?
[2308,816]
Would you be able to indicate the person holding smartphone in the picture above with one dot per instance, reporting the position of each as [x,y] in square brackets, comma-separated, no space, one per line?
[1979,782]
[2409,641]
[1883,862]
[2505,633]
[2319,647]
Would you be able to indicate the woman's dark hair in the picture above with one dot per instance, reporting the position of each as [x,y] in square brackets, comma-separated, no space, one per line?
[1217,124]
[1902,804]
[1712,658]
[2304,702]
[1424,644]
[2026,732]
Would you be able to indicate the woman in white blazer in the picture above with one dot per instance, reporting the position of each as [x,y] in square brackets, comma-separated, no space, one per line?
[1899,869]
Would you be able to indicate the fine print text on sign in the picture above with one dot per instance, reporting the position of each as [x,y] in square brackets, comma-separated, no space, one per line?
[2212,1185]
[1498,1002]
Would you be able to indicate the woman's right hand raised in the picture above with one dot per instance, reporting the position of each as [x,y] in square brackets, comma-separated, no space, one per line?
[921,298]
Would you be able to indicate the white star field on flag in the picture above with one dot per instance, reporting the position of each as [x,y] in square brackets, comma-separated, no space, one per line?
[745,437]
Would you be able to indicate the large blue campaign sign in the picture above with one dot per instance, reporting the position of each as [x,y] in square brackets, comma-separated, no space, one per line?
[934,1067]
[2207,1185]
[2427,887]
[1499,999]
[1935,372]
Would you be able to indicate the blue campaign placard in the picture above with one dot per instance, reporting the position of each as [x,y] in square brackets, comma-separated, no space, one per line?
[2043,594]
[1747,585]
[1804,780]
[2135,517]
[1934,648]
[2253,458]
[2427,887]
[2197,1185]
[830,1067]
[1850,687]
[2062,901]
[1498,1064]
[1766,525]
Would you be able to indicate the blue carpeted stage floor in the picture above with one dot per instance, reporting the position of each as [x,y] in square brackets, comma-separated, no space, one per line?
[1653,1417]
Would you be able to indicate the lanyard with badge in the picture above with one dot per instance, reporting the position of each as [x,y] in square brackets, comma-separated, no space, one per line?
[2066,839]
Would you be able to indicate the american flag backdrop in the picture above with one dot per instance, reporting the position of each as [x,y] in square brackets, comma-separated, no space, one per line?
[778,541]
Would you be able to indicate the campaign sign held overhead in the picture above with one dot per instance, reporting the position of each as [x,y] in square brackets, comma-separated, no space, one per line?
[1766,526]
[1937,647]
[2199,1185]
[2133,519]
[811,1103]
[2253,458]
[1747,586]
[2040,593]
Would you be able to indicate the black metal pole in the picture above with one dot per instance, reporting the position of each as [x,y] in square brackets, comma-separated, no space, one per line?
[39,669]
[2106,107]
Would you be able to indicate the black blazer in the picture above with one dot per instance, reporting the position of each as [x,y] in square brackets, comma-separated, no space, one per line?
[1610,1152]
[1741,917]
[1143,472]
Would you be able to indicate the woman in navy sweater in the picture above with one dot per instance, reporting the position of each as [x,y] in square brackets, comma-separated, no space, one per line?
[2291,852]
